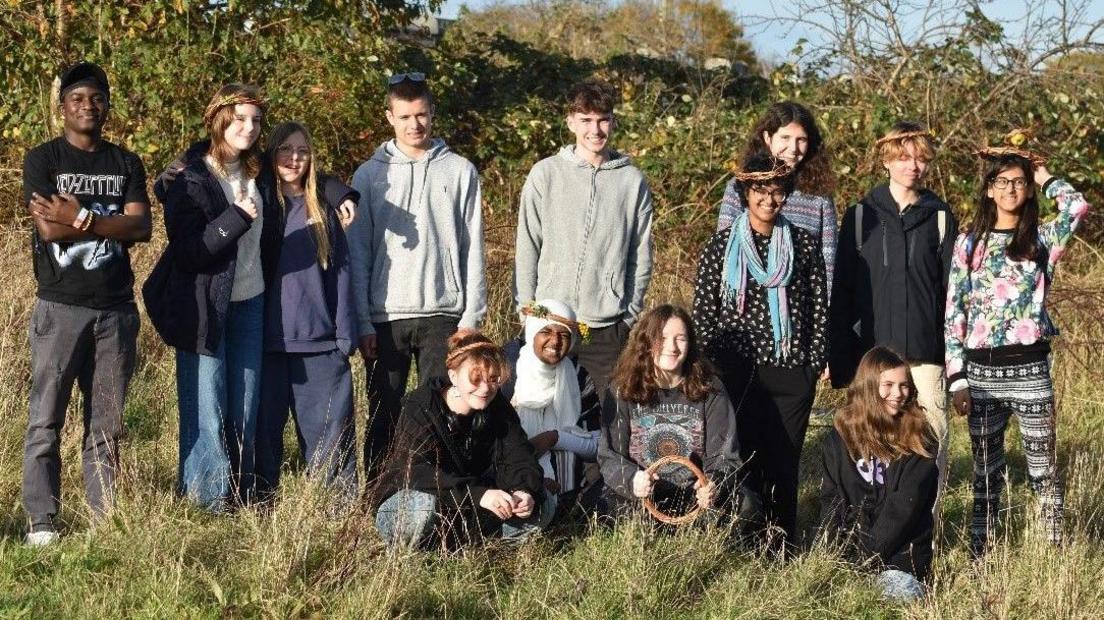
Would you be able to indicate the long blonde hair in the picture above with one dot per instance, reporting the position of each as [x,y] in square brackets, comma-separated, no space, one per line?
[218,116]
[317,220]
[867,429]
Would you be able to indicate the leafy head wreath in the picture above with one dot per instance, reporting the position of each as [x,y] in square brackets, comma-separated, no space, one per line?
[1013,145]
[921,133]
[538,311]
[481,344]
[230,100]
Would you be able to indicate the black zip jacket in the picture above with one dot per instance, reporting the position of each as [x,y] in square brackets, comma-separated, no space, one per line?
[891,521]
[892,293]
[437,452]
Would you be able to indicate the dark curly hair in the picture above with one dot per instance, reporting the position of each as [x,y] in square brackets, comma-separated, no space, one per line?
[814,171]
[634,377]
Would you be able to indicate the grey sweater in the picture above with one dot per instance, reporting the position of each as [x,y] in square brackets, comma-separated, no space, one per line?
[634,436]
[584,237]
[416,246]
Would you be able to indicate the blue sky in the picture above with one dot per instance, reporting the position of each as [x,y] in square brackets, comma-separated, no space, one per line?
[773,40]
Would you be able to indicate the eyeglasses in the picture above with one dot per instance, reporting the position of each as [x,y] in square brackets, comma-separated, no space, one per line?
[776,195]
[286,151]
[399,78]
[1003,183]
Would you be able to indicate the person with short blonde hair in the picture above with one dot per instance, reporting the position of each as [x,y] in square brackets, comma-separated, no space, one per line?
[892,265]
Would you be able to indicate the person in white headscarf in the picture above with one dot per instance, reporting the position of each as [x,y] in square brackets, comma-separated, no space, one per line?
[547,396]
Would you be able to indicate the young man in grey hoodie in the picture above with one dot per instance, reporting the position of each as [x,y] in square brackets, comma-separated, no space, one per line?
[416,249]
[584,231]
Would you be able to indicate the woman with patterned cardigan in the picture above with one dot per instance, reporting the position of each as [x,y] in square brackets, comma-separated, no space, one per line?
[788,131]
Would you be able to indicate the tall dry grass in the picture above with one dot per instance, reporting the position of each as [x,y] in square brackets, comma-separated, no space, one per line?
[158,556]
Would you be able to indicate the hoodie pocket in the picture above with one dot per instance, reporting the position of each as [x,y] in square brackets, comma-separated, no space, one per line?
[452,271]
[616,284]
[611,301]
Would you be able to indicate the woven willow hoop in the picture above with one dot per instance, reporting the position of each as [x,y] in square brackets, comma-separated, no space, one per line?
[650,505]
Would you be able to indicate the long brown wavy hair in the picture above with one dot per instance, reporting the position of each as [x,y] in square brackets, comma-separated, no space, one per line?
[867,429]
[634,377]
[316,213]
[218,116]
[814,171]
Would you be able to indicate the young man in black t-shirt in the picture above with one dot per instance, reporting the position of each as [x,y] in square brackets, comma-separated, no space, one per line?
[87,198]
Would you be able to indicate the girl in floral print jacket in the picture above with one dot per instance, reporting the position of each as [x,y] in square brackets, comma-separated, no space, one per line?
[998,330]
[997,305]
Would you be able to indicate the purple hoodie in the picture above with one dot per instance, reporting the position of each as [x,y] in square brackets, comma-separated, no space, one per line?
[309,309]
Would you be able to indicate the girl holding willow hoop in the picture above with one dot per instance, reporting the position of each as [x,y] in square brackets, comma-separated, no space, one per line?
[664,401]
[998,329]
[761,306]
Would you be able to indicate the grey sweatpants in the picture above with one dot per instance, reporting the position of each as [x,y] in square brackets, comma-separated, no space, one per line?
[96,348]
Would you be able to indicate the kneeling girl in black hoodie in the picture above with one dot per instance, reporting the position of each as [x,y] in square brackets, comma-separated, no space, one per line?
[879,475]
[460,466]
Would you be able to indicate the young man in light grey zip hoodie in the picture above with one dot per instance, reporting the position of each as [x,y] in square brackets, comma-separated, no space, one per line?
[584,231]
[416,250]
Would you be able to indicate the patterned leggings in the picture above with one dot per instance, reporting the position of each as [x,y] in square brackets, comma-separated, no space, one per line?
[997,392]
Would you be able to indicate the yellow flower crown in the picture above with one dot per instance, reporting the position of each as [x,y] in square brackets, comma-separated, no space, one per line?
[538,311]
[1013,145]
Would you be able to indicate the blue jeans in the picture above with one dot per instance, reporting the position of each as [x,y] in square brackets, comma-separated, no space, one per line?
[411,518]
[897,585]
[219,397]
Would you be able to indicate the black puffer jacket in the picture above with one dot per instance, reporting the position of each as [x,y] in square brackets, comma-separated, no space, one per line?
[893,291]
[187,295]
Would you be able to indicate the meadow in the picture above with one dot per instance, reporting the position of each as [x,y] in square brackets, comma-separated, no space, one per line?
[157,556]
[499,81]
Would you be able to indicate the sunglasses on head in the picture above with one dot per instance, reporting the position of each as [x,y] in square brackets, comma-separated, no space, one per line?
[399,78]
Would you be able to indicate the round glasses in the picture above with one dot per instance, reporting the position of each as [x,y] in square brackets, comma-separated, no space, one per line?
[286,151]
[1003,183]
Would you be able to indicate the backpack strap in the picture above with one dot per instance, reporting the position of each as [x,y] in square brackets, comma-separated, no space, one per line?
[859,226]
